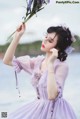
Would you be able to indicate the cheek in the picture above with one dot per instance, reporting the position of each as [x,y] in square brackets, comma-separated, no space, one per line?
[48,46]
[52,45]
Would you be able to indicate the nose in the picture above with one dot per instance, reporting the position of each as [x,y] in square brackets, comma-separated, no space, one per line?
[45,41]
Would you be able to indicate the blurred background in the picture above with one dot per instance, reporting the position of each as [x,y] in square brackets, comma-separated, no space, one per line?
[11,13]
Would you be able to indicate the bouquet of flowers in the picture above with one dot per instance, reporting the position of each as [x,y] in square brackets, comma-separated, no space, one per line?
[33,6]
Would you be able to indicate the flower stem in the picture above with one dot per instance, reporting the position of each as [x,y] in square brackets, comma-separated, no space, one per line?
[25,20]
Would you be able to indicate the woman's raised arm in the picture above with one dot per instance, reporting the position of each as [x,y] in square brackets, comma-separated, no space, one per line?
[13,45]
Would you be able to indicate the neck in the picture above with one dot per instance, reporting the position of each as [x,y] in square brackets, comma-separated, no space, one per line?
[47,56]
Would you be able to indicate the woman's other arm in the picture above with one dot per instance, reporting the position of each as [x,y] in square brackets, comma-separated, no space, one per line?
[13,45]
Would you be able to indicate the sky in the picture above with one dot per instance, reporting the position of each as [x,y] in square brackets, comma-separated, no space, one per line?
[12,11]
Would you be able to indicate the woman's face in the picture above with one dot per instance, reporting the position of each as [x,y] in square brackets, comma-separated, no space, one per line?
[49,42]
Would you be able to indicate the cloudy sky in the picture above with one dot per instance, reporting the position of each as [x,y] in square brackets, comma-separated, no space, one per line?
[12,11]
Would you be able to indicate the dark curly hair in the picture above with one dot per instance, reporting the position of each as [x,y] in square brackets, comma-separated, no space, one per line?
[64,40]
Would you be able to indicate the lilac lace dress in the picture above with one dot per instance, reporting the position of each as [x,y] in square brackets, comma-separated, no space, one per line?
[42,107]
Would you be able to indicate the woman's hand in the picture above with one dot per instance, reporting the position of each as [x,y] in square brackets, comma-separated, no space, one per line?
[20,30]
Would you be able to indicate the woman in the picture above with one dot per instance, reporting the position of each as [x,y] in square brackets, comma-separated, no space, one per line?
[48,72]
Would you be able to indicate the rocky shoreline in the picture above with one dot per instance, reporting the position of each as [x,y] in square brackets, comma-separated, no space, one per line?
[32,49]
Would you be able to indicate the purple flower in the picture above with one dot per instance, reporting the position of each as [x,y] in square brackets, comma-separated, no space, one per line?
[33,6]
[29,5]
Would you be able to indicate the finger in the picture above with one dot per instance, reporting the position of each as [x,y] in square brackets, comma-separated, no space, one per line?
[19,27]
[53,50]
[23,25]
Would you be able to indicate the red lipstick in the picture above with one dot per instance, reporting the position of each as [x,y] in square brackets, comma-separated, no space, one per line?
[43,46]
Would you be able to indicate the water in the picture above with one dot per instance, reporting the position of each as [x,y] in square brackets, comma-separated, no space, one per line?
[9,99]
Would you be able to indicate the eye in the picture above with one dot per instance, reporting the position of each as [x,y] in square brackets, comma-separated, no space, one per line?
[51,40]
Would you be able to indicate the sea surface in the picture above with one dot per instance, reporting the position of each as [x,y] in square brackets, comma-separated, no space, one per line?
[10,100]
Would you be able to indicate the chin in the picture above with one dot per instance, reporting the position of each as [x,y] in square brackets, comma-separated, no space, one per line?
[43,49]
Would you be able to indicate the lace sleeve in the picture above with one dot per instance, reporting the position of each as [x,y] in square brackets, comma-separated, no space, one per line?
[25,63]
[61,75]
